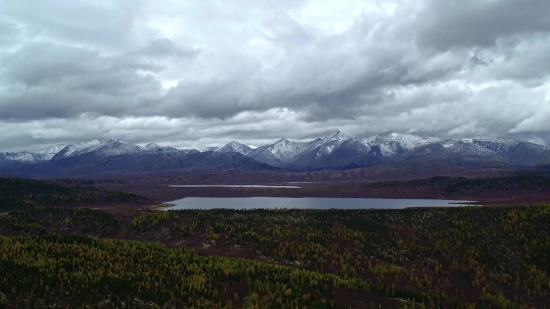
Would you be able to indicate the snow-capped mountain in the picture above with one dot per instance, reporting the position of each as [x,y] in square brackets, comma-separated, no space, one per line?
[406,141]
[285,152]
[51,150]
[234,147]
[155,148]
[498,145]
[329,143]
[333,151]
[213,148]
[525,153]
[32,156]
[456,152]
[281,152]
[105,148]
[465,146]
[152,146]
[338,150]
[24,156]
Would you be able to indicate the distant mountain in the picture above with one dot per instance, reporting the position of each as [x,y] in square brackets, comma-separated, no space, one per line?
[24,156]
[210,148]
[114,155]
[285,153]
[147,161]
[50,151]
[407,142]
[281,152]
[154,148]
[102,148]
[334,151]
[234,147]
[32,156]
[340,151]
[528,154]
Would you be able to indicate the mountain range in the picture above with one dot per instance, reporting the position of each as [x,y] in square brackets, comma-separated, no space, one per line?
[334,151]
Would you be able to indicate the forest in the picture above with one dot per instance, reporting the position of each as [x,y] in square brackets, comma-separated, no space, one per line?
[21,194]
[58,256]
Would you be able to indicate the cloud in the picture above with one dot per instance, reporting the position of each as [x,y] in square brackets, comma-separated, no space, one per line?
[165,47]
[110,26]
[257,71]
[452,24]
[539,121]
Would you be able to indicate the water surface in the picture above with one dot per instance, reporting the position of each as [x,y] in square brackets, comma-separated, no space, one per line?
[233,186]
[306,203]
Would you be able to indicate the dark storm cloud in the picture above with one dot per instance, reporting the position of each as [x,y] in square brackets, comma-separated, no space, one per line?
[176,72]
[480,23]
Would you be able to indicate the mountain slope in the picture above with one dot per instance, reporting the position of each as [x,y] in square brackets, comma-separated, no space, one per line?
[338,150]
[109,147]
[331,152]
[455,152]
[23,156]
[234,147]
[154,148]
[406,141]
[280,153]
[528,154]
[51,150]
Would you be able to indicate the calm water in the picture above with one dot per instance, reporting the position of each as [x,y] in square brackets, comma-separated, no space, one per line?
[305,203]
[232,186]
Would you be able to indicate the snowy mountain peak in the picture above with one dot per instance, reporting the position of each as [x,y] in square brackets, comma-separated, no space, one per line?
[282,141]
[152,146]
[331,151]
[234,147]
[212,148]
[108,147]
[337,135]
[407,141]
[500,140]
[329,143]
[49,152]
[24,156]
[235,144]
[281,152]
[155,148]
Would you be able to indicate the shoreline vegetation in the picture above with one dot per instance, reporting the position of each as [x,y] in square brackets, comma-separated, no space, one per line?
[486,191]
[55,250]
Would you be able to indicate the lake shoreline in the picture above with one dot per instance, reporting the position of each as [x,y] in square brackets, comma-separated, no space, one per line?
[319,203]
[237,186]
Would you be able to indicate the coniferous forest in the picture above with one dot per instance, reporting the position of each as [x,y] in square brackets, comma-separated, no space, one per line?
[59,251]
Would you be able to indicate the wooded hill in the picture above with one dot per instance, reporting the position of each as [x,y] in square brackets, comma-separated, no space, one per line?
[466,257]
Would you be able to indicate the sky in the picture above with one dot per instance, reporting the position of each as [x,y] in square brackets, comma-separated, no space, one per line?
[192,74]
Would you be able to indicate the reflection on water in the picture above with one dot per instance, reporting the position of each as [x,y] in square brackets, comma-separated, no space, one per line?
[306,203]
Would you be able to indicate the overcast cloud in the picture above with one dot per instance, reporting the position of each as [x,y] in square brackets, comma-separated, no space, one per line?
[193,74]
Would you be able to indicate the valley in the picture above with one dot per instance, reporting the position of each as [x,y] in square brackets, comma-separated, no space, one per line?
[275,154]
[458,257]
[506,188]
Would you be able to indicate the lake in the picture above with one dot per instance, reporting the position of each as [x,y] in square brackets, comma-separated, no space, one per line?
[306,203]
[233,186]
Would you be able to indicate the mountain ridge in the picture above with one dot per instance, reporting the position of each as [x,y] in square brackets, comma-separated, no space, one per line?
[334,151]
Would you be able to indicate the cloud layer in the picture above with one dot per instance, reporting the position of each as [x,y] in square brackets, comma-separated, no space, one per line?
[195,74]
